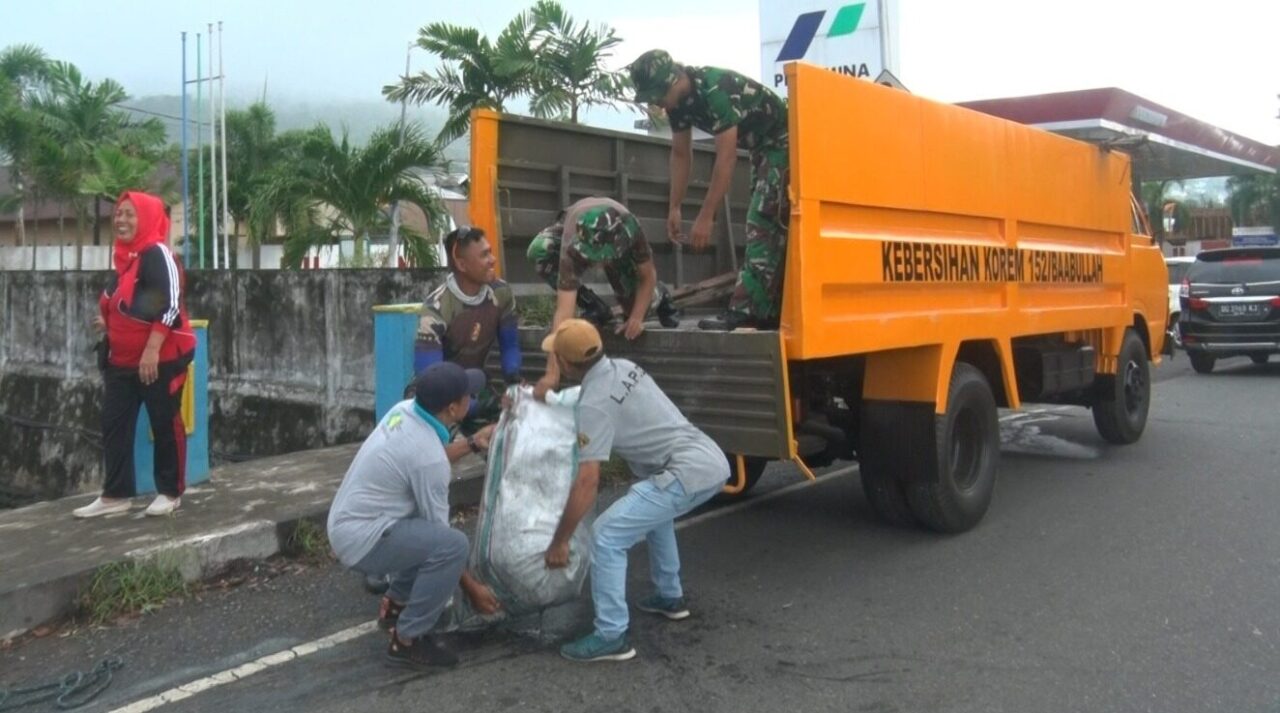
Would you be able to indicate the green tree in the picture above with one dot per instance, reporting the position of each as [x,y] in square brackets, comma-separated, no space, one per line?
[1255,199]
[77,118]
[115,172]
[327,189]
[23,69]
[474,73]
[542,52]
[566,62]
[253,147]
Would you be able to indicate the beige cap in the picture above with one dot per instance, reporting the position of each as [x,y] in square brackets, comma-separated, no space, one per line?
[575,340]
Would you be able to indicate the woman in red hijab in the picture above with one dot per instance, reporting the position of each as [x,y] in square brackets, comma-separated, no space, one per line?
[149,344]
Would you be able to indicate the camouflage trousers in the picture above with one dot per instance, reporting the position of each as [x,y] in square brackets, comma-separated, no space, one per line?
[544,253]
[758,292]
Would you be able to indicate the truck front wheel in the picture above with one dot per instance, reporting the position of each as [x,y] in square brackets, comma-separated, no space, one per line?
[955,496]
[1122,400]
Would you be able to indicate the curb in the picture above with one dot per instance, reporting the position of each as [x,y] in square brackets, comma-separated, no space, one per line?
[197,557]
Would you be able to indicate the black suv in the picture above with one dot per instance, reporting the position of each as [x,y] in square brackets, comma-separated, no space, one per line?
[1231,306]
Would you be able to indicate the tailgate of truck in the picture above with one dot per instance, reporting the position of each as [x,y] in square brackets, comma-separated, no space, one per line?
[733,386]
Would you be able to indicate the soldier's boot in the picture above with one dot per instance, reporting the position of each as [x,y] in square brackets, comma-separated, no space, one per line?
[667,312]
[727,322]
[593,308]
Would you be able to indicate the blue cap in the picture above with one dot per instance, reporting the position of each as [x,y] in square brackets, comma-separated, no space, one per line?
[444,382]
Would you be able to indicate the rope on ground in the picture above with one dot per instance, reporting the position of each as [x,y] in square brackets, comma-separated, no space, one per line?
[71,691]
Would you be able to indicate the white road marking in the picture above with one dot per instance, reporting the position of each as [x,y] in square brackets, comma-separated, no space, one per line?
[259,665]
[245,670]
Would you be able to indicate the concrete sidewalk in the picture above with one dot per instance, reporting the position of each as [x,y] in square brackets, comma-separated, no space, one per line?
[246,511]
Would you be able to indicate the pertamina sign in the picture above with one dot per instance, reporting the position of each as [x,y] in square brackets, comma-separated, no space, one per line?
[854,38]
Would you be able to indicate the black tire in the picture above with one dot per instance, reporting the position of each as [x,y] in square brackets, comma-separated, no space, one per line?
[755,469]
[1260,359]
[966,457]
[1201,362]
[1122,400]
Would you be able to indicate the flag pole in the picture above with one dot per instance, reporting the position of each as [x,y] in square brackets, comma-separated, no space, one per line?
[226,210]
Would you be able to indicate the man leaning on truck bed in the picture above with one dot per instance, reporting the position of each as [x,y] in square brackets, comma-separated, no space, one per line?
[740,113]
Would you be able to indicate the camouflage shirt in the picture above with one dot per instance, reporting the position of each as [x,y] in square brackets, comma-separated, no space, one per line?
[598,231]
[465,332]
[722,99]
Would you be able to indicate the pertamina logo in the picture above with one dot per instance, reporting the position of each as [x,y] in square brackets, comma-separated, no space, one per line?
[805,29]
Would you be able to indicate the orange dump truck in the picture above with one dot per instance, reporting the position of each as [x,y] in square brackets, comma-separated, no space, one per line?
[941,264]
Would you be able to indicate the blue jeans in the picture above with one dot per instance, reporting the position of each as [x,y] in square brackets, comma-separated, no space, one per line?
[646,512]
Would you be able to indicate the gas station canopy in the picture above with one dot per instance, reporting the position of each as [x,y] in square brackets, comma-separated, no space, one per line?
[1163,143]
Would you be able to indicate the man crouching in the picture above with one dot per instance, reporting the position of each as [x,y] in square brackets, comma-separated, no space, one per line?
[390,517]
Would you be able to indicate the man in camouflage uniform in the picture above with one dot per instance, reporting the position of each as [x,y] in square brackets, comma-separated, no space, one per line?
[742,114]
[601,231]
[462,319]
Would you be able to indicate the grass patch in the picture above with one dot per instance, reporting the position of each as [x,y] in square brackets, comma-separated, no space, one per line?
[130,588]
[536,310]
[308,541]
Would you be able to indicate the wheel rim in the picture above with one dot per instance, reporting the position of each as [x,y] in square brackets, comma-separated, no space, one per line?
[1177,334]
[1135,388]
[966,449]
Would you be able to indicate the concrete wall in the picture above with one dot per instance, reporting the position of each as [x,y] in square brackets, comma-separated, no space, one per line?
[290,366]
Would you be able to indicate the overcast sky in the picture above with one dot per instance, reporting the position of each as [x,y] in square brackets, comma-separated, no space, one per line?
[1216,61]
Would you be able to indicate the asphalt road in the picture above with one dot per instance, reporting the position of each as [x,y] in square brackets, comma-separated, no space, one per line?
[1139,578]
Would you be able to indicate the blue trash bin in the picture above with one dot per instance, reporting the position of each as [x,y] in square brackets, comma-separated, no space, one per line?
[195,415]
[394,329]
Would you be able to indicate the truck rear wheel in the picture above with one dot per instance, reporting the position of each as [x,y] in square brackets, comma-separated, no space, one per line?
[955,496]
[1122,400]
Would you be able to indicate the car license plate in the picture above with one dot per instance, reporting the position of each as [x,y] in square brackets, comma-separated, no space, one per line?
[1243,310]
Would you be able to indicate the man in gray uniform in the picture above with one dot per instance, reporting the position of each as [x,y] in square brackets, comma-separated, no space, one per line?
[391,514]
[622,410]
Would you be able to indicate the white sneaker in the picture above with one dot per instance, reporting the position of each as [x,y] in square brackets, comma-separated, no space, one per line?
[163,505]
[102,507]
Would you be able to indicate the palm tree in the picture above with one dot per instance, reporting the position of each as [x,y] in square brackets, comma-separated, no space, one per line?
[78,117]
[115,172]
[474,73]
[1255,199]
[566,61]
[252,148]
[22,70]
[329,189]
